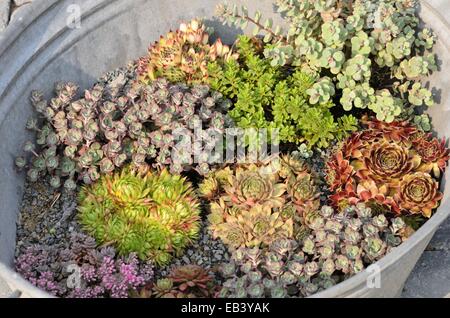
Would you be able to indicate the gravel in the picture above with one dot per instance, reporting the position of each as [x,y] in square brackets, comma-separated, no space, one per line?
[47,217]
[206,252]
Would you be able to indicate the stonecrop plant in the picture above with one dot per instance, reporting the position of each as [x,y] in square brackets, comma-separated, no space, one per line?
[394,166]
[369,53]
[267,97]
[155,214]
[339,246]
[183,56]
[120,122]
[101,272]
[253,205]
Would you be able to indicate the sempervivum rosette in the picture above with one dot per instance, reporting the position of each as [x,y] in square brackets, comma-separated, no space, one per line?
[418,193]
[385,161]
[252,205]
[183,55]
[434,155]
[394,166]
[251,186]
[303,192]
[259,225]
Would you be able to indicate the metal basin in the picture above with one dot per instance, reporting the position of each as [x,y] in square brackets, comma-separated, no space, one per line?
[41,47]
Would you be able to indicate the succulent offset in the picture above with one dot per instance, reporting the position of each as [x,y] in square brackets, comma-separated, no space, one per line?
[188,281]
[253,205]
[395,166]
[340,245]
[153,214]
[364,43]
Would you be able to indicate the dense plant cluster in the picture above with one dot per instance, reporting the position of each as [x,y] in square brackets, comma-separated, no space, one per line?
[183,56]
[148,143]
[120,122]
[342,243]
[369,53]
[155,214]
[394,166]
[268,97]
[255,204]
[189,281]
[88,271]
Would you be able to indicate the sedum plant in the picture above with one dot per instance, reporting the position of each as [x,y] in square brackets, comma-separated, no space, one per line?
[118,122]
[393,166]
[373,51]
[155,214]
[102,273]
[183,56]
[339,246]
[267,97]
[252,205]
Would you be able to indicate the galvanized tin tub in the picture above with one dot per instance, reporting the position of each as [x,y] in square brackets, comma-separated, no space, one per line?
[46,44]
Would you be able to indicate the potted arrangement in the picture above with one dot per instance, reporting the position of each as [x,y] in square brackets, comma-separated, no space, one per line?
[283,164]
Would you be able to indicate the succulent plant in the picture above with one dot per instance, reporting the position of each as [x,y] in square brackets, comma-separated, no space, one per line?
[386,162]
[251,186]
[339,246]
[332,59]
[154,214]
[189,281]
[192,277]
[422,122]
[117,122]
[359,96]
[370,45]
[302,190]
[102,273]
[390,165]
[255,204]
[259,225]
[418,193]
[321,92]
[183,55]
[303,152]
[386,106]
[434,154]
[294,104]
[419,96]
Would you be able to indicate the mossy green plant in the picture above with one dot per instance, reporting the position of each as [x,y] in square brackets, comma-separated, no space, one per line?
[268,96]
[153,214]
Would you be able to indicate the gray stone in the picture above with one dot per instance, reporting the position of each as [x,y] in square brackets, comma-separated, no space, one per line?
[5,7]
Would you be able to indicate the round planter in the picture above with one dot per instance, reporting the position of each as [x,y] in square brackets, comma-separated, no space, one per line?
[47,42]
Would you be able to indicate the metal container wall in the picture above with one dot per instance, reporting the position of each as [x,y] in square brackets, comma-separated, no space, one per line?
[44,46]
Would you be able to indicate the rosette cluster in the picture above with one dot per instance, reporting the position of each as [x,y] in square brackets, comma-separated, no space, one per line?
[392,165]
